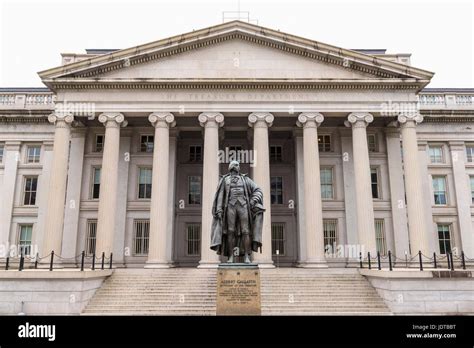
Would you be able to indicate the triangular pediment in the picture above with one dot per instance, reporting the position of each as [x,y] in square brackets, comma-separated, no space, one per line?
[234,50]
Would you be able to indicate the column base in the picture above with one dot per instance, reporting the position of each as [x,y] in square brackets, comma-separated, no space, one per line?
[313,264]
[208,264]
[264,264]
[157,264]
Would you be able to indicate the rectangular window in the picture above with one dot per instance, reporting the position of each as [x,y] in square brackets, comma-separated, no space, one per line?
[29,192]
[144,183]
[470,152]
[278,238]
[374,180]
[444,237]
[324,143]
[193,239]
[327,189]
[194,189]
[141,236]
[91,235]
[472,188]
[276,189]
[275,153]
[439,190]
[99,143]
[95,190]
[372,142]
[330,234]
[380,237]
[33,154]
[195,153]
[2,147]
[147,143]
[24,239]
[436,153]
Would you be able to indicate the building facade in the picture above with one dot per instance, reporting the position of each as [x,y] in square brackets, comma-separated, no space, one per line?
[122,152]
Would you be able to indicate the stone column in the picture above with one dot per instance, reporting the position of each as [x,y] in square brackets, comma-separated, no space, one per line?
[11,159]
[211,121]
[162,121]
[73,193]
[312,190]
[417,228]
[463,197]
[54,221]
[365,207]
[397,191]
[108,182]
[261,121]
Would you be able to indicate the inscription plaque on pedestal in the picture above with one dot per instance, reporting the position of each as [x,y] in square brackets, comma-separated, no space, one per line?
[238,290]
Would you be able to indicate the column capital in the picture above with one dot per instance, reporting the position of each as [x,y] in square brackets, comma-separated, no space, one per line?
[113,119]
[409,119]
[261,119]
[310,119]
[359,119]
[162,119]
[61,119]
[209,119]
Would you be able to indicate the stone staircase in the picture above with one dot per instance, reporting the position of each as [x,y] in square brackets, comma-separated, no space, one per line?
[191,291]
[300,291]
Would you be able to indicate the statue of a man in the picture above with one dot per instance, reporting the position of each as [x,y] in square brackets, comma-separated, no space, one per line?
[237,215]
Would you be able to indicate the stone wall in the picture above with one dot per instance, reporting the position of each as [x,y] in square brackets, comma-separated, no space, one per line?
[59,292]
[424,292]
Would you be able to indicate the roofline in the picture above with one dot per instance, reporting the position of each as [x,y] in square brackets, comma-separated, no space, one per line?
[443,90]
[206,32]
[24,89]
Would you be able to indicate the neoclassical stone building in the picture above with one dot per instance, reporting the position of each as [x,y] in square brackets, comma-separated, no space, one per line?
[122,152]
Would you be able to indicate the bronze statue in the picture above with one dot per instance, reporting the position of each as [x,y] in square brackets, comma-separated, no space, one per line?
[237,215]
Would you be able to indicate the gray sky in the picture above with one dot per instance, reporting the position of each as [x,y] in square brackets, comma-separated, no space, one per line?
[439,34]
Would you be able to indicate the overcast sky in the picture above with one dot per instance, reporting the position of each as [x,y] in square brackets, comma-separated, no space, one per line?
[439,34]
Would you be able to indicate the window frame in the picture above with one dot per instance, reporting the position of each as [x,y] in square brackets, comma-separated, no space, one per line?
[335,238]
[448,225]
[189,190]
[280,241]
[441,156]
[24,192]
[471,183]
[381,238]
[191,154]
[277,157]
[281,190]
[323,143]
[444,177]
[375,147]
[93,171]
[144,146]
[96,143]
[469,156]
[90,240]
[377,174]
[144,238]
[196,241]
[140,168]
[20,241]
[331,168]
[27,155]
[2,152]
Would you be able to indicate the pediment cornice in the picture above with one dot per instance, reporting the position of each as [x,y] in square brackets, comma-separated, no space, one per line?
[94,67]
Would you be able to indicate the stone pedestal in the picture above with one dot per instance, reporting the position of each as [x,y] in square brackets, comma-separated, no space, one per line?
[238,289]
